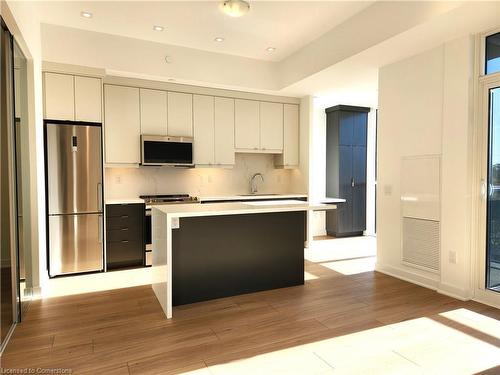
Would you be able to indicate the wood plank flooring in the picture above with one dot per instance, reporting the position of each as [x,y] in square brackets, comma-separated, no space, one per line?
[303,329]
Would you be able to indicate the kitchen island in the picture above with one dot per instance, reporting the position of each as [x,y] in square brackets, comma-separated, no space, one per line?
[207,251]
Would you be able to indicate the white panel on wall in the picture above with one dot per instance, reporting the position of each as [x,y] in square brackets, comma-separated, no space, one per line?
[421,243]
[420,187]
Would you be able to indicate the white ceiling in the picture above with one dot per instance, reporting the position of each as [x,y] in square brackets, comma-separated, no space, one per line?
[288,26]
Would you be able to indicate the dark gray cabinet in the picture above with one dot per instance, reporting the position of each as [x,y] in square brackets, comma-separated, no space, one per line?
[125,235]
[346,133]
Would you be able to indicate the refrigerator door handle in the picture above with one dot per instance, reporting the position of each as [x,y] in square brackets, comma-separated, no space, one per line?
[100,229]
[99,196]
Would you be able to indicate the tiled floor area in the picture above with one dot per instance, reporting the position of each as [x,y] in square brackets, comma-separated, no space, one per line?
[344,320]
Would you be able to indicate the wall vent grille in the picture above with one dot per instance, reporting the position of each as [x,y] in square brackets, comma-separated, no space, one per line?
[421,243]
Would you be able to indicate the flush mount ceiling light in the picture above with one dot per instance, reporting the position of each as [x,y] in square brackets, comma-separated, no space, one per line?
[235,8]
[158,28]
[271,49]
[86,14]
[219,39]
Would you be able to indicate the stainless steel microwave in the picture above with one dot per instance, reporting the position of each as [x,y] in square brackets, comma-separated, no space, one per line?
[166,150]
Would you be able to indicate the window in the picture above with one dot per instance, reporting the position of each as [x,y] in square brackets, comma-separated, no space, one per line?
[492,54]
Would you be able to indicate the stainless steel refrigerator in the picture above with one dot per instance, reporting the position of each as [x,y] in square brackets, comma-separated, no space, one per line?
[74,196]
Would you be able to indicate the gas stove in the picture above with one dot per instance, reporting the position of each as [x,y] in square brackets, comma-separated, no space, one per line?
[168,199]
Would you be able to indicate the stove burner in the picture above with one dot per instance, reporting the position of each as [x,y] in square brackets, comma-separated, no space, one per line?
[168,198]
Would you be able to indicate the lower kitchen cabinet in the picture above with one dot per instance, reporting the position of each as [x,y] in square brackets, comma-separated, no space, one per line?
[125,243]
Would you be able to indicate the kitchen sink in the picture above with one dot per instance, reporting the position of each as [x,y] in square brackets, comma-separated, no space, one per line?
[274,203]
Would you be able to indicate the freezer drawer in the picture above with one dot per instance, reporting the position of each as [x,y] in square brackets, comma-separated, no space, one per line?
[75,243]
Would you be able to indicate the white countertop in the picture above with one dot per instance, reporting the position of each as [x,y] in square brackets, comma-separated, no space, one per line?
[233,198]
[124,201]
[239,208]
[251,197]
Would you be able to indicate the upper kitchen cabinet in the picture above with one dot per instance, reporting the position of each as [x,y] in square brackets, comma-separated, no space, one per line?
[271,126]
[122,124]
[88,99]
[290,156]
[213,131]
[203,117]
[153,112]
[180,114]
[247,126]
[224,131]
[73,98]
[59,90]
[258,126]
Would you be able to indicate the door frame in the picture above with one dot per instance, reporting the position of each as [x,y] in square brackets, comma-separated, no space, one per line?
[480,149]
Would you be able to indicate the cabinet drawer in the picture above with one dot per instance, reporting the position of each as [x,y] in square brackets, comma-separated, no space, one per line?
[125,210]
[124,234]
[124,254]
[125,221]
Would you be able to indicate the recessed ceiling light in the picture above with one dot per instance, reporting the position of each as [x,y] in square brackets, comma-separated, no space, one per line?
[219,39]
[271,49]
[158,28]
[235,8]
[86,14]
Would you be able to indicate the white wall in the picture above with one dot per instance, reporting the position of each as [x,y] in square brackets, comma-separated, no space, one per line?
[132,182]
[371,148]
[424,110]
[317,155]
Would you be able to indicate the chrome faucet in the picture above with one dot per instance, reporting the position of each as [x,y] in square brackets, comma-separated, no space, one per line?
[253,186]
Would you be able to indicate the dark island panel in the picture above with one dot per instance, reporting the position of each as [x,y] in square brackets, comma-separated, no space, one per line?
[221,256]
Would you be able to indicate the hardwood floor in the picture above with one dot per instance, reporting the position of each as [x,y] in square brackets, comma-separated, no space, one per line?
[345,322]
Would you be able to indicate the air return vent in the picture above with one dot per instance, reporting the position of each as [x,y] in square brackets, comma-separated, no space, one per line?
[421,243]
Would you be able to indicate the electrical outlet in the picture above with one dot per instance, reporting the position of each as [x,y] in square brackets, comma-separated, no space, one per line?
[175,223]
[209,178]
[452,257]
[118,179]
[388,189]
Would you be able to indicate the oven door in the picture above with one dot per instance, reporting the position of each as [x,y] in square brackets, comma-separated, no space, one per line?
[170,151]
[147,236]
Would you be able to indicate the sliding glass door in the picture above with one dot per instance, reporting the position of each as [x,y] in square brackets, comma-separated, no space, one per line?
[492,273]
[8,235]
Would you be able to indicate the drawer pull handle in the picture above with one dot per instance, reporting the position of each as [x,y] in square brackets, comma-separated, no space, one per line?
[124,241]
[124,216]
[124,229]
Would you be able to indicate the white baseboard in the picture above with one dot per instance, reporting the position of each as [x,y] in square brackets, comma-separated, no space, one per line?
[37,292]
[454,292]
[406,275]
[426,282]
[487,298]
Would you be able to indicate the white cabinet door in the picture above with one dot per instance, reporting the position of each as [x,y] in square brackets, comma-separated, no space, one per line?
[271,126]
[122,125]
[246,125]
[88,99]
[59,100]
[291,135]
[153,112]
[180,114]
[203,117]
[224,131]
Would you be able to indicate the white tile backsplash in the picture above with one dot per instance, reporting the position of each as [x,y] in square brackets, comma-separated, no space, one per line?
[132,182]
